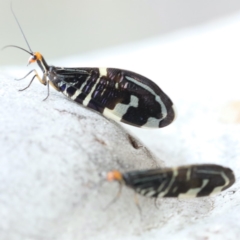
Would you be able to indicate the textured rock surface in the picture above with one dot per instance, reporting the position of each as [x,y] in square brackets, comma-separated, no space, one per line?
[53,157]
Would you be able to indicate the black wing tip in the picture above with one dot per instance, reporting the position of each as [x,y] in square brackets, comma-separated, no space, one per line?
[171,116]
[231,177]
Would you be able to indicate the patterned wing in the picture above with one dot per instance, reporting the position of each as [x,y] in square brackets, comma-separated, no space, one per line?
[118,94]
[182,182]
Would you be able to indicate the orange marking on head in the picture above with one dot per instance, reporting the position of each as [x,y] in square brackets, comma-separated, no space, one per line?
[37,56]
[114,176]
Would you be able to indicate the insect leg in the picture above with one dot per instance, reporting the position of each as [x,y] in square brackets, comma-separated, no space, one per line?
[41,80]
[116,197]
[28,84]
[18,79]
[47,91]
[155,203]
[137,204]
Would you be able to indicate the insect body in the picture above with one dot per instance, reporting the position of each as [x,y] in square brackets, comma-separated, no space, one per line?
[182,182]
[117,94]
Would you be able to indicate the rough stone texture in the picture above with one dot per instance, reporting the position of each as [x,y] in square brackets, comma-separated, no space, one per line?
[55,153]
[53,157]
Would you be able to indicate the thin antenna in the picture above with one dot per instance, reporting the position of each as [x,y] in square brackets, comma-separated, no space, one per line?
[19,48]
[21,29]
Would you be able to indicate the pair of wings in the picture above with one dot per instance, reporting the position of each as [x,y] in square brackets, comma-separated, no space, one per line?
[133,99]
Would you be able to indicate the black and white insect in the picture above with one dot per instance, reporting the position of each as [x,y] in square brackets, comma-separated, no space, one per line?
[118,94]
[180,182]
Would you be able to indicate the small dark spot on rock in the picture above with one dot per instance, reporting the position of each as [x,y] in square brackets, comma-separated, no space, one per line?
[100,141]
[134,142]
[74,114]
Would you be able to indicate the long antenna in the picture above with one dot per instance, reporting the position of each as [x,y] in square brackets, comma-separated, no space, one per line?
[19,48]
[21,29]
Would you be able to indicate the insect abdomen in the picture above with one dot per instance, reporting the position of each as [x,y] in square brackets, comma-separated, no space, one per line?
[118,94]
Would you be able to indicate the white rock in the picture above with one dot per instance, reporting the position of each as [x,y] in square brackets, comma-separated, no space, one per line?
[53,156]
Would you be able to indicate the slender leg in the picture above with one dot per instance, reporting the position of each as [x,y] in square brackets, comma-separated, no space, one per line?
[25,75]
[155,203]
[28,84]
[138,205]
[47,91]
[116,197]
[41,80]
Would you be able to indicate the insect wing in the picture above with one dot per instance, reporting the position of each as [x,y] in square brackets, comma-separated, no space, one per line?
[182,182]
[118,94]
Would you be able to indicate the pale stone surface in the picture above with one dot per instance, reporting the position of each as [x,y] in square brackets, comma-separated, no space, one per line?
[54,153]
[53,157]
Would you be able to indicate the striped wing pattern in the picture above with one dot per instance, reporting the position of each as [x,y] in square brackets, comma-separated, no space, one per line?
[182,182]
[118,94]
